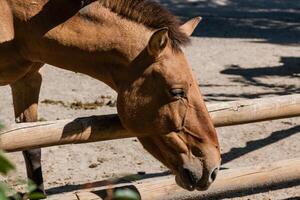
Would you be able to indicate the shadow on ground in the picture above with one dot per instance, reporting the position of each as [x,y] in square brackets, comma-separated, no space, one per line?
[289,69]
[124,179]
[276,136]
[276,21]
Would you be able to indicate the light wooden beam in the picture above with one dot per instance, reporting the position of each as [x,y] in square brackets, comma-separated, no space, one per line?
[254,110]
[228,182]
[108,127]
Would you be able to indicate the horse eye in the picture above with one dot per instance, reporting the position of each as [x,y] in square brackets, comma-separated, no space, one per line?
[178,92]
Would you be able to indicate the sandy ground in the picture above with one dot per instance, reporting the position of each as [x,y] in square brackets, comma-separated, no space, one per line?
[228,66]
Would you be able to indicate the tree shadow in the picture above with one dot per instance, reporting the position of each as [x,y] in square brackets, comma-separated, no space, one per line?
[273,21]
[290,68]
[260,143]
[260,77]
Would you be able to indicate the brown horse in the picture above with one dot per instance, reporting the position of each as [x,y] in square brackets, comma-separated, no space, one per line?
[134,46]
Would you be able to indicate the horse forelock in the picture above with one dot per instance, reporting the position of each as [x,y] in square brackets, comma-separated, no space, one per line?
[152,15]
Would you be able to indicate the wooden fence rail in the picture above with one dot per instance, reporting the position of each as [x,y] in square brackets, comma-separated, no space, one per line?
[254,178]
[108,127]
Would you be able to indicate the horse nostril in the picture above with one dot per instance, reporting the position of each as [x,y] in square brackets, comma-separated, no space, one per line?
[190,176]
[213,174]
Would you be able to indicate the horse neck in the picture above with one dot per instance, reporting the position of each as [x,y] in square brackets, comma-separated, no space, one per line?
[95,41]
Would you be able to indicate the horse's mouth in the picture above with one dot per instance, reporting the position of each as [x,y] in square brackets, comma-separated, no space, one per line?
[190,182]
[184,184]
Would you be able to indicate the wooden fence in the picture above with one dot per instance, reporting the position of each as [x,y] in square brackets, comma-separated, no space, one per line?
[108,127]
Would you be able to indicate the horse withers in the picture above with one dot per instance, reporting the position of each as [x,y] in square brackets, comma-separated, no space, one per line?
[134,46]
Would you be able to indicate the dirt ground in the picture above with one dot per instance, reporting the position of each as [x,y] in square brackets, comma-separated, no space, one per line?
[252,57]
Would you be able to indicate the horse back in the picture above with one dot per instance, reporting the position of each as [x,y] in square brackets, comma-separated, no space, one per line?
[6,22]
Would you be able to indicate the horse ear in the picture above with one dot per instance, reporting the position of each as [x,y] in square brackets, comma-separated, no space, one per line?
[189,27]
[158,42]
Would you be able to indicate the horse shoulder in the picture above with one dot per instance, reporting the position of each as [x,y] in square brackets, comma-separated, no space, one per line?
[12,65]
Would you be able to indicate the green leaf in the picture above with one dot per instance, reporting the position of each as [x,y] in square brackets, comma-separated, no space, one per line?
[3,191]
[5,165]
[2,195]
[37,195]
[1,126]
[6,190]
[126,194]
[17,196]
[31,186]
[32,193]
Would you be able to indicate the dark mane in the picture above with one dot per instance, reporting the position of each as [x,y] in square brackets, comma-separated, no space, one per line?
[150,14]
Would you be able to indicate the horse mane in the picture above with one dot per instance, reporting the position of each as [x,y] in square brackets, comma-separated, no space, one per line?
[152,15]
